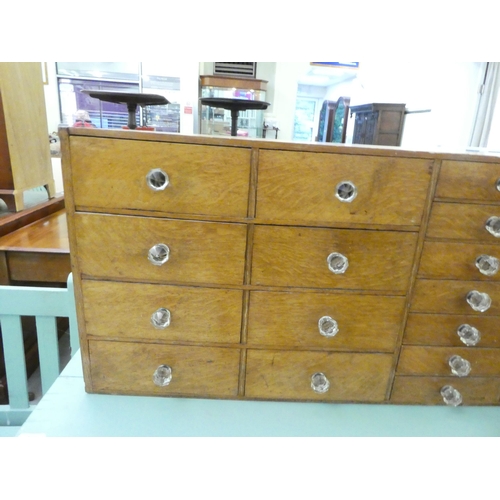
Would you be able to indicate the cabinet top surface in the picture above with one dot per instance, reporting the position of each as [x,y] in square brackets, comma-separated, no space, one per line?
[276,145]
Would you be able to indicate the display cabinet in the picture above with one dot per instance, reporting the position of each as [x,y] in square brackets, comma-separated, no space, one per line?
[378,123]
[333,117]
[217,120]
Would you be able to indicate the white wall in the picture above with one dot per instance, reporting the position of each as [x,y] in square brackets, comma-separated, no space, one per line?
[449,89]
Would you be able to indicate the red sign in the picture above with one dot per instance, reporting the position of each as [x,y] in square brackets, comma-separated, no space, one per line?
[188,110]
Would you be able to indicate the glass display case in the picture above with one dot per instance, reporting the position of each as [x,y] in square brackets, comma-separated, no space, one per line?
[217,121]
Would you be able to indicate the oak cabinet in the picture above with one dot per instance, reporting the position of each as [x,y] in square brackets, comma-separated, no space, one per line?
[248,269]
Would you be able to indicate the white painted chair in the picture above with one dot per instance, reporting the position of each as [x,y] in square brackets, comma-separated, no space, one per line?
[45,304]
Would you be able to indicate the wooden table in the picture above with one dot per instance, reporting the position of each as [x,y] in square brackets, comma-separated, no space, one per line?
[37,252]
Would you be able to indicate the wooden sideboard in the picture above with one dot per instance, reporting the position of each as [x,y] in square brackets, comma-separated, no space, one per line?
[248,269]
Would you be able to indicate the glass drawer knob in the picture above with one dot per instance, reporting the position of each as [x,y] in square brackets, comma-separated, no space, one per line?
[157,179]
[337,263]
[159,254]
[459,366]
[451,396]
[493,226]
[487,265]
[346,191]
[162,375]
[328,327]
[161,318]
[468,334]
[319,383]
[479,301]
[497,184]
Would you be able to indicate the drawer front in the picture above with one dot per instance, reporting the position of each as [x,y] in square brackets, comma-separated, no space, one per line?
[207,180]
[456,261]
[426,390]
[200,252]
[464,180]
[294,256]
[287,375]
[126,310]
[441,329]
[364,322]
[128,368]
[449,297]
[389,190]
[462,222]
[433,361]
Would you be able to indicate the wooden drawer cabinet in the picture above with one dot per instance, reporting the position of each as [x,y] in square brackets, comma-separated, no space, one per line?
[204,180]
[278,271]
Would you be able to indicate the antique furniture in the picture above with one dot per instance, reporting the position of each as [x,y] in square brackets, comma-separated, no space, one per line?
[131,99]
[248,269]
[333,118]
[378,123]
[235,106]
[24,144]
[36,253]
[218,119]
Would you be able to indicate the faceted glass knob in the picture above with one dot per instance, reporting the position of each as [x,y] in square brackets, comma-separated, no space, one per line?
[479,301]
[319,383]
[157,179]
[328,327]
[161,318]
[469,335]
[459,366]
[487,264]
[493,226]
[346,191]
[159,254]
[337,263]
[451,396]
[162,375]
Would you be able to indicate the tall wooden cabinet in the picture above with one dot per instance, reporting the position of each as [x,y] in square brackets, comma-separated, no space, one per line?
[378,123]
[24,146]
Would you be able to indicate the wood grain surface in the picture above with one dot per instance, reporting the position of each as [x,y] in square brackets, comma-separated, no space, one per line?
[287,375]
[426,390]
[441,329]
[462,222]
[467,180]
[455,260]
[296,256]
[302,186]
[203,179]
[128,368]
[449,297]
[200,252]
[433,361]
[123,311]
[365,322]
